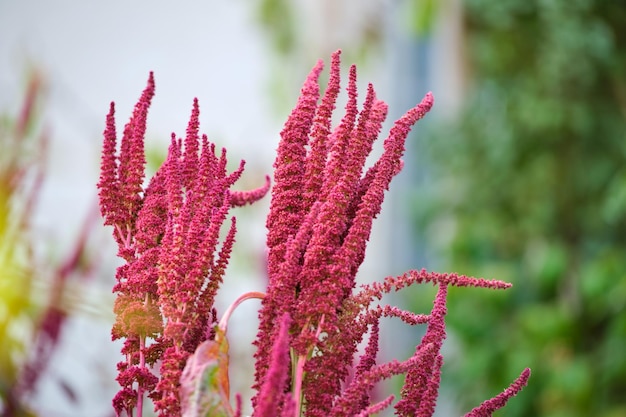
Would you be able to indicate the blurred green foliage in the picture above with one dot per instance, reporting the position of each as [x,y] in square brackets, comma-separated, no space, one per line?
[422,15]
[276,17]
[34,298]
[281,22]
[530,187]
[22,147]
[300,33]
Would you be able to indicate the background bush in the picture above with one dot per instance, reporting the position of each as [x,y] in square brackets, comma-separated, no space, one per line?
[530,187]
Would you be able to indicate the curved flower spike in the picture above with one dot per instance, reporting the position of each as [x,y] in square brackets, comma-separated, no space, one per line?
[241,198]
[487,408]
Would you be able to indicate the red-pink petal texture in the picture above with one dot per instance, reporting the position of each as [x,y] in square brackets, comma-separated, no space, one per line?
[274,386]
[169,235]
[323,205]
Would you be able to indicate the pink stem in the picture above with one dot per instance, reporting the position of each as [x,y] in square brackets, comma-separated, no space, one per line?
[297,389]
[229,311]
[142,364]
[125,239]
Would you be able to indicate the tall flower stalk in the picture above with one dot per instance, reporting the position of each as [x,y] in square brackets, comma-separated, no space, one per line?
[312,318]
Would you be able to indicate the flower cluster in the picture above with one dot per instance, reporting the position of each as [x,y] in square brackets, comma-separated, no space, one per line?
[322,209]
[168,234]
[312,318]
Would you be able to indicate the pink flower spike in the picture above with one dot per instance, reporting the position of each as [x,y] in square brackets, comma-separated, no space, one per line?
[420,379]
[377,408]
[389,162]
[173,177]
[487,408]
[273,387]
[316,159]
[109,183]
[374,126]
[349,404]
[132,158]
[241,198]
[360,144]
[238,405]
[368,360]
[406,316]
[234,176]
[377,289]
[190,158]
[287,207]
[402,126]
[429,399]
[436,330]
[339,140]
[218,269]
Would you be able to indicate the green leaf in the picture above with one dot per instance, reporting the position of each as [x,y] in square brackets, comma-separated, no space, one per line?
[205,388]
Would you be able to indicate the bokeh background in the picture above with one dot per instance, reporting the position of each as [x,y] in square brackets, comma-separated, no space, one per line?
[517,174]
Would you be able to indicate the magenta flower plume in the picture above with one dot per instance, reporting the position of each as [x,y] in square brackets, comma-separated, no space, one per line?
[312,268]
[377,408]
[176,246]
[487,408]
[121,177]
[323,205]
[241,198]
[420,389]
[272,392]
[109,182]
[169,235]
[349,403]
[367,362]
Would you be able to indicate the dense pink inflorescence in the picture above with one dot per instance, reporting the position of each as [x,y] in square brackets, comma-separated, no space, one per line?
[312,319]
[419,393]
[322,209]
[275,386]
[169,235]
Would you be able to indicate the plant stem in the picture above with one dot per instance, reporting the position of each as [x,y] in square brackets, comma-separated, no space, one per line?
[297,387]
[229,311]
[142,364]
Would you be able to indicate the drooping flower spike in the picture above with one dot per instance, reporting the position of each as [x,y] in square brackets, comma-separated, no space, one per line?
[488,407]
